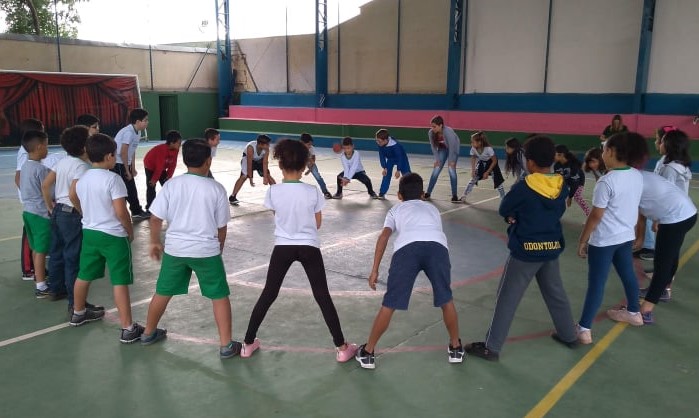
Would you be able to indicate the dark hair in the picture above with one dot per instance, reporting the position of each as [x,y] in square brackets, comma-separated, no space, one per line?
[30,124]
[306,138]
[594,154]
[626,146]
[437,120]
[541,150]
[172,137]
[195,152]
[512,161]
[136,115]
[32,138]
[87,120]
[410,186]
[382,133]
[677,148]
[572,159]
[210,133]
[292,155]
[481,137]
[98,146]
[347,141]
[73,140]
[263,139]
[616,117]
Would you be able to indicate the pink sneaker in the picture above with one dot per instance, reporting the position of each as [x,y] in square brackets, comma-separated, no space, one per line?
[622,315]
[248,349]
[346,354]
[584,336]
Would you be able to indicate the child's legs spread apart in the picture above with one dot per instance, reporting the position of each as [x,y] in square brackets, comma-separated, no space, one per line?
[452,174]
[442,155]
[312,261]
[319,179]
[481,166]
[579,198]
[283,256]
[623,264]
[599,261]
[365,180]
[669,242]
[211,275]
[551,287]
[437,267]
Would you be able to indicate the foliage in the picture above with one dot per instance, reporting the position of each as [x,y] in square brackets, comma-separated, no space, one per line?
[37,17]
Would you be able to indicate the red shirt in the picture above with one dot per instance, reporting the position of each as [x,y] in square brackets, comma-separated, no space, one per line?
[161,158]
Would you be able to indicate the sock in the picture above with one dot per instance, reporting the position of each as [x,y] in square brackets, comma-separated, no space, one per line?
[80,312]
[581,328]
[129,328]
[501,192]
[42,285]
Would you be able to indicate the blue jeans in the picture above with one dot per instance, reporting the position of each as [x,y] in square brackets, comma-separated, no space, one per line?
[649,237]
[443,154]
[599,261]
[66,241]
[319,179]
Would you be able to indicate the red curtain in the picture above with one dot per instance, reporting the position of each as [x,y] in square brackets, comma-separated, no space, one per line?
[57,99]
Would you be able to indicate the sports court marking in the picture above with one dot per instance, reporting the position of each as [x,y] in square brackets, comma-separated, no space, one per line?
[556,393]
[10,238]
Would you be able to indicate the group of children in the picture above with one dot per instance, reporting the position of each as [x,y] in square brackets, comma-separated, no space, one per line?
[90,227]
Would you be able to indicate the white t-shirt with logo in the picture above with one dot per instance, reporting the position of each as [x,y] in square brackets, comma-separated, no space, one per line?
[415,220]
[295,205]
[67,170]
[485,155]
[127,136]
[97,189]
[194,207]
[663,201]
[619,193]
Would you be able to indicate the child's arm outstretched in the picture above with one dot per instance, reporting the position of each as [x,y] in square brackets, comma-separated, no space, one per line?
[123,215]
[381,244]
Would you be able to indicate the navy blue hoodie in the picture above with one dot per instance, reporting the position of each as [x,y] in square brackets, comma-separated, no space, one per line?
[536,205]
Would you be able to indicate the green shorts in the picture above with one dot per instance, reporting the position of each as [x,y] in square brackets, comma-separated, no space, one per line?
[38,232]
[99,248]
[175,273]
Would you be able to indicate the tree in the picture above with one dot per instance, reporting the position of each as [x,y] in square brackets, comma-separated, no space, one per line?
[36,17]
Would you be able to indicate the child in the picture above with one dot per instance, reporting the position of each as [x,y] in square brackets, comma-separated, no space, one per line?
[307,140]
[160,162]
[352,168]
[255,158]
[608,234]
[127,140]
[35,213]
[420,245]
[483,163]
[91,121]
[515,163]
[594,163]
[533,210]
[391,153]
[445,147]
[297,216]
[197,214]
[674,214]
[213,138]
[107,234]
[617,126]
[570,168]
[66,229]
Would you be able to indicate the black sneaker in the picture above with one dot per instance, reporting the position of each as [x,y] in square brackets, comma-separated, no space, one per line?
[382,197]
[337,196]
[233,200]
[569,344]
[89,316]
[455,199]
[646,254]
[91,307]
[373,195]
[666,296]
[426,196]
[128,337]
[231,350]
[328,195]
[456,354]
[42,294]
[479,349]
[53,297]
[157,335]
[140,216]
[365,358]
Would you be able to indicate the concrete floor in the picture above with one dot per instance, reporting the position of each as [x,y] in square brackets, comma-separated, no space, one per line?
[61,371]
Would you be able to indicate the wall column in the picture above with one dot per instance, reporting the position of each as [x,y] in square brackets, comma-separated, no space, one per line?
[321,52]
[456,19]
[223,54]
[644,56]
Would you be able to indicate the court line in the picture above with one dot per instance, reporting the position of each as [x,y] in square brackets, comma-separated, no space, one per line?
[48,330]
[556,393]
[10,238]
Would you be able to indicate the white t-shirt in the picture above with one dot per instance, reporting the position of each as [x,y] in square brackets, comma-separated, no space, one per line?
[194,207]
[619,193]
[415,220]
[664,202]
[97,189]
[486,155]
[130,137]
[67,170]
[351,166]
[295,205]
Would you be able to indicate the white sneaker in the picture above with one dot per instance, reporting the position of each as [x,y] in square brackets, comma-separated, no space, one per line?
[584,335]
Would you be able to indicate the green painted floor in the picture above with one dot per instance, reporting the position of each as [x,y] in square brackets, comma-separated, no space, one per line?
[85,371]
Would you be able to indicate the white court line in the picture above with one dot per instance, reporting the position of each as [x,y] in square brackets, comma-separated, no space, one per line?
[48,330]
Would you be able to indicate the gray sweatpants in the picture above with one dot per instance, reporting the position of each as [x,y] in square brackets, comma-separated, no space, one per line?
[514,282]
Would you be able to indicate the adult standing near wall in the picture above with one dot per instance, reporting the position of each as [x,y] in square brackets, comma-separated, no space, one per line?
[614,128]
[445,147]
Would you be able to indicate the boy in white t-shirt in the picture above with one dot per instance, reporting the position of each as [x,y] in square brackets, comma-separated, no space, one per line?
[107,236]
[255,158]
[127,140]
[352,168]
[197,214]
[420,245]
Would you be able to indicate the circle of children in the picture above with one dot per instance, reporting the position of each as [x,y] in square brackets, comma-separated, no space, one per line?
[74,209]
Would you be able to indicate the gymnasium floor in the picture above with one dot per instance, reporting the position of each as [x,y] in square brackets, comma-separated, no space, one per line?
[49,369]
